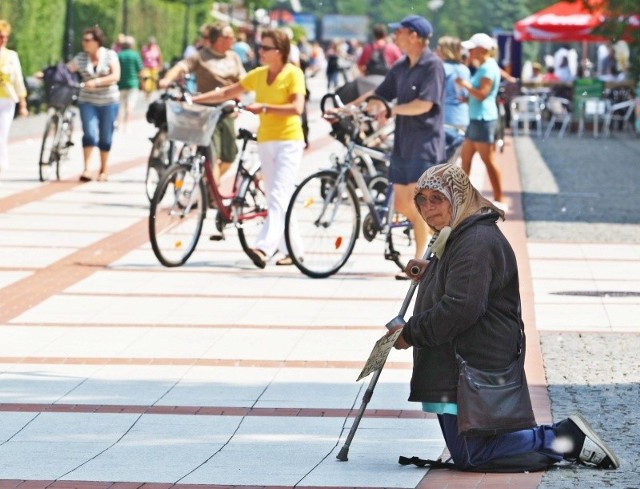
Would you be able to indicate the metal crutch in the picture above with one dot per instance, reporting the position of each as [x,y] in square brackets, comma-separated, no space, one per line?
[435,246]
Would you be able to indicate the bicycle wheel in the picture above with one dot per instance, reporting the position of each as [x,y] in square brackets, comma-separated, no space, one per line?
[178,209]
[48,150]
[160,158]
[400,241]
[250,210]
[66,136]
[321,232]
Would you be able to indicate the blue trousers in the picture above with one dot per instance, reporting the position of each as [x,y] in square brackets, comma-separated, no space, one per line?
[97,124]
[470,452]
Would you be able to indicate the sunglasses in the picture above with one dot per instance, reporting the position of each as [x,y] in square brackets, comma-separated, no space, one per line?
[267,48]
[87,39]
[434,199]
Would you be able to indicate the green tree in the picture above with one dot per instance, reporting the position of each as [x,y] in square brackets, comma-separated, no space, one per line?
[617,27]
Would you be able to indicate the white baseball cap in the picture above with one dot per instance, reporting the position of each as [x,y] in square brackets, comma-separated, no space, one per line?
[479,40]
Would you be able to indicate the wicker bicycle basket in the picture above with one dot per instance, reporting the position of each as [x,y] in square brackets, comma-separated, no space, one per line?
[60,95]
[192,124]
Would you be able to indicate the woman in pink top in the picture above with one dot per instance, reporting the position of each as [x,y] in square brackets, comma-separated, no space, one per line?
[152,62]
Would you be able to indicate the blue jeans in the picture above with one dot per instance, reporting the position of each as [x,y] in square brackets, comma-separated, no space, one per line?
[472,451]
[97,124]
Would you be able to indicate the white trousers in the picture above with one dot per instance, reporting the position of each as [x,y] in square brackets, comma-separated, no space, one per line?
[7,111]
[280,163]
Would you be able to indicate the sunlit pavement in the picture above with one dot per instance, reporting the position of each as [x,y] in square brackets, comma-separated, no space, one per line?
[118,371]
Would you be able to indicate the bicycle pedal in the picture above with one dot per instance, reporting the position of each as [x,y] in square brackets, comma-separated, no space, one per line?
[391,256]
[216,237]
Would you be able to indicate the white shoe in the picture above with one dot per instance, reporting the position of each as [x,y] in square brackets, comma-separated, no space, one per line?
[503,206]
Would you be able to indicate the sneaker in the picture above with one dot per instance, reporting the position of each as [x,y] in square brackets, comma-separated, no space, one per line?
[594,451]
[503,206]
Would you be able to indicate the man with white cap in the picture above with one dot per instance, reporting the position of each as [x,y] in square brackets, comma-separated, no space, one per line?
[483,111]
[416,82]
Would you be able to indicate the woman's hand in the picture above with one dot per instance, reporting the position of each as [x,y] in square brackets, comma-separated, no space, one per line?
[23,111]
[462,83]
[255,108]
[415,268]
[400,343]
[93,84]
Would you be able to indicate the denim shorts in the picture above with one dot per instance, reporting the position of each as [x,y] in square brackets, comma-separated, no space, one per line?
[481,131]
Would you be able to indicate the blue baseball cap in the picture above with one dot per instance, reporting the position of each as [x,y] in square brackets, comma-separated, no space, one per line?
[419,25]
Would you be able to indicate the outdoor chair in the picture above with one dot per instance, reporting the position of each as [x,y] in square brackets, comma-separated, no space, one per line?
[560,110]
[526,109]
[622,113]
[592,110]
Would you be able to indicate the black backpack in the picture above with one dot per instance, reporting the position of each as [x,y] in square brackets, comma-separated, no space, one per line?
[377,65]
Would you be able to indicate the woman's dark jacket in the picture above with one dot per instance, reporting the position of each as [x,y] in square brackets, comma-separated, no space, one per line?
[470,295]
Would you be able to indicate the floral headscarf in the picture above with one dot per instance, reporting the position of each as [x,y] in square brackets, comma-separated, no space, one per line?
[452,182]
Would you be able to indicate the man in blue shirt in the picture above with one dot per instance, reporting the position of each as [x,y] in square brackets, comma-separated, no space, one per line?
[416,82]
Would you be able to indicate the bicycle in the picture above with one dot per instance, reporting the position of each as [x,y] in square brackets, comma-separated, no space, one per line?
[325,213]
[163,150]
[188,189]
[58,130]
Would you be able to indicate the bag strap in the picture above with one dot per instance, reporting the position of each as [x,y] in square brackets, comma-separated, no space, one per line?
[432,464]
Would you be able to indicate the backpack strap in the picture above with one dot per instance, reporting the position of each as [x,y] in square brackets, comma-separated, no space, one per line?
[432,464]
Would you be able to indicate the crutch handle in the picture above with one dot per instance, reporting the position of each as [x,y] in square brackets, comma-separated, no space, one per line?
[396,321]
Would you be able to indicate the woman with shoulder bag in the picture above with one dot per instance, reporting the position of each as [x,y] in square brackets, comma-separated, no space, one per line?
[467,313]
[99,98]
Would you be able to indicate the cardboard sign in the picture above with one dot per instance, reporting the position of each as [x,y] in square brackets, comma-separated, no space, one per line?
[379,354]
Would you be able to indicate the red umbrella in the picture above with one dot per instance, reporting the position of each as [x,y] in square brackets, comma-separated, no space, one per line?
[562,22]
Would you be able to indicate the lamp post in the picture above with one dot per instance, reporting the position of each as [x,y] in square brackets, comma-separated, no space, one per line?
[434,6]
[68,41]
[125,17]
[185,31]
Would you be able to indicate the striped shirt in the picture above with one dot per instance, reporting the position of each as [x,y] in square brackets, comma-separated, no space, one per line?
[88,71]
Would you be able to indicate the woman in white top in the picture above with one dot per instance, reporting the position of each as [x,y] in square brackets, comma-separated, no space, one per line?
[99,98]
[12,91]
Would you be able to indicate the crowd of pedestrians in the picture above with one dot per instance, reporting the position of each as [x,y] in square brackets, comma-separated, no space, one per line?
[468,304]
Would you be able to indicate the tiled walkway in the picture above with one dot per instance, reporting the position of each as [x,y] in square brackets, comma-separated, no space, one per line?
[116,372]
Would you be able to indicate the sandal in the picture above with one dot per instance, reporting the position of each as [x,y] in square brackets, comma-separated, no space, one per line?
[85,177]
[258,257]
[286,261]
[103,177]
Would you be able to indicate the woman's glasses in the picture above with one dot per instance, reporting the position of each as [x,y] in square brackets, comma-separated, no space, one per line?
[87,39]
[434,199]
[267,48]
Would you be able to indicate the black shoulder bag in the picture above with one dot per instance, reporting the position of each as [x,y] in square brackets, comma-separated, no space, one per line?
[494,401]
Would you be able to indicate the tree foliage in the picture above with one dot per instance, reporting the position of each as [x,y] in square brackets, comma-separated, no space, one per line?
[38,26]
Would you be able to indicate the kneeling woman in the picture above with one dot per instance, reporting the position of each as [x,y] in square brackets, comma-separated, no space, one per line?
[468,303]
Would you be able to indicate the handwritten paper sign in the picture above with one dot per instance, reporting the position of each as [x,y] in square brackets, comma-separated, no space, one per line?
[379,354]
